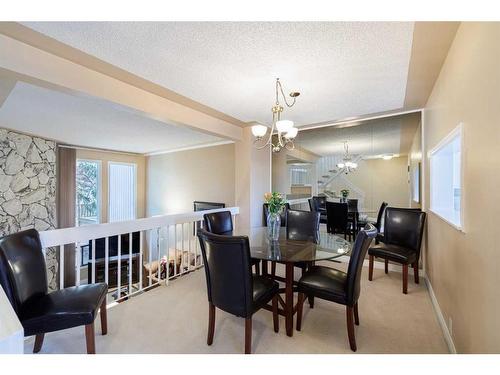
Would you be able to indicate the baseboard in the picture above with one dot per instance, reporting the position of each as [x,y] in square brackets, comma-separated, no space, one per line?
[440,318]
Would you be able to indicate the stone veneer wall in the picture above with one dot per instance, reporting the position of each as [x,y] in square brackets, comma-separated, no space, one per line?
[28,188]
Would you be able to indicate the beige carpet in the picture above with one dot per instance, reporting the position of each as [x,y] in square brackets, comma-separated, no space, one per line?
[173,319]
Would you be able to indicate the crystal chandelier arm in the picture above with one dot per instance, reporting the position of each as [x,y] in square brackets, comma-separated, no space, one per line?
[279,88]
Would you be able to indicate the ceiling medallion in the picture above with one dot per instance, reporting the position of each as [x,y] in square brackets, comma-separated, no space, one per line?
[286,131]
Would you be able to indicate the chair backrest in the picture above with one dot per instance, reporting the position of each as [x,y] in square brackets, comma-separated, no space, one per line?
[282,215]
[336,215]
[404,227]
[219,223]
[317,202]
[22,267]
[228,272]
[352,205]
[355,267]
[380,215]
[303,225]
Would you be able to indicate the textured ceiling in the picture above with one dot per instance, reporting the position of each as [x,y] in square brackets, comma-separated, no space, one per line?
[91,122]
[371,138]
[341,69]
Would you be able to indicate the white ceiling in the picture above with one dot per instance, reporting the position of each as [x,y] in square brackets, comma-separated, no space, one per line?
[391,135]
[341,69]
[91,122]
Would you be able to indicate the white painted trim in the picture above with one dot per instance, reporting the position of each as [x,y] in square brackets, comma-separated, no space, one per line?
[96,149]
[439,315]
[212,144]
[457,131]
[86,233]
[358,119]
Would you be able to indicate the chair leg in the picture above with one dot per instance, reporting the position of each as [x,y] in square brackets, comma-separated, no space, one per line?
[386,266]
[300,307]
[38,342]
[276,321]
[350,327]
[273,269]
[257,269]
[405,278]
[356,314]
[104,317]
[211,324]
[370,268]
[415,272]
[248,335]
[90,338]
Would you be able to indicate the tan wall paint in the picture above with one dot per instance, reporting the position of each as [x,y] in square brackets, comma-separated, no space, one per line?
[463,268]
[105,158]
[380,180]
[177,179]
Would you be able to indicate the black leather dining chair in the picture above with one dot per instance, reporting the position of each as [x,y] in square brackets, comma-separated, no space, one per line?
[222,223]
[403,232]
[318,204]
[303,226]
[24,279]
[231,286]
[337,286]
[338,219]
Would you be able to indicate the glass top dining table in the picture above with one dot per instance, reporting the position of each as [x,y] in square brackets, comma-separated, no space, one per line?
[289,253]
[330,246]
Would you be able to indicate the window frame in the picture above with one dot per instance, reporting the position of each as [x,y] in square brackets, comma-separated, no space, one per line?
[457,131]
[99,188]
[135,186]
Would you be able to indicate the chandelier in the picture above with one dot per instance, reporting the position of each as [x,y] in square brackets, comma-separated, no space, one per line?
[286,131]
[347,165]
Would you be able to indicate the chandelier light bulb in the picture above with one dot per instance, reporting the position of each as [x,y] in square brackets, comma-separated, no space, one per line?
[284,126]
[291,133]
[259,130]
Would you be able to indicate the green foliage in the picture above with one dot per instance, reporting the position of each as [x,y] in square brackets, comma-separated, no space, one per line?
[275,202]
[87,183]
[344,192]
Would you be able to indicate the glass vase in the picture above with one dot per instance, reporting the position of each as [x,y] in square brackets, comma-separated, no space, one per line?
[273,226]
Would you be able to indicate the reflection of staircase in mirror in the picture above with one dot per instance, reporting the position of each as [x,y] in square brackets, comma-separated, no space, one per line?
[326,167]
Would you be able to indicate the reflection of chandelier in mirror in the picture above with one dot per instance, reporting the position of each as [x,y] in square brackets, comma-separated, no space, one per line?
[347,165]
[286,131]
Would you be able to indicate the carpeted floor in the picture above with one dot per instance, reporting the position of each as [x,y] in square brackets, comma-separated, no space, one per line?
[174,319]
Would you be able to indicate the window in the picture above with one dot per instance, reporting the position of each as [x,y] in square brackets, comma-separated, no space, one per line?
[88,174]
[446,178]
[122,191]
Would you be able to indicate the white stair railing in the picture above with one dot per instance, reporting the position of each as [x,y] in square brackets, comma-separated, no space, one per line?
[168,248]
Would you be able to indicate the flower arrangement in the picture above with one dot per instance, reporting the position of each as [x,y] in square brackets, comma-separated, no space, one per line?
[275,202]
[344,192]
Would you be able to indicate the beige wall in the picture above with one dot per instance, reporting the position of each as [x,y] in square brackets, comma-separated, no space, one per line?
[464,267]
[106,157]
[177,179]
[379,180]
[252,180]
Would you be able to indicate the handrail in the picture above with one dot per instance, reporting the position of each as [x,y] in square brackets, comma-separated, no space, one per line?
[86,233]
